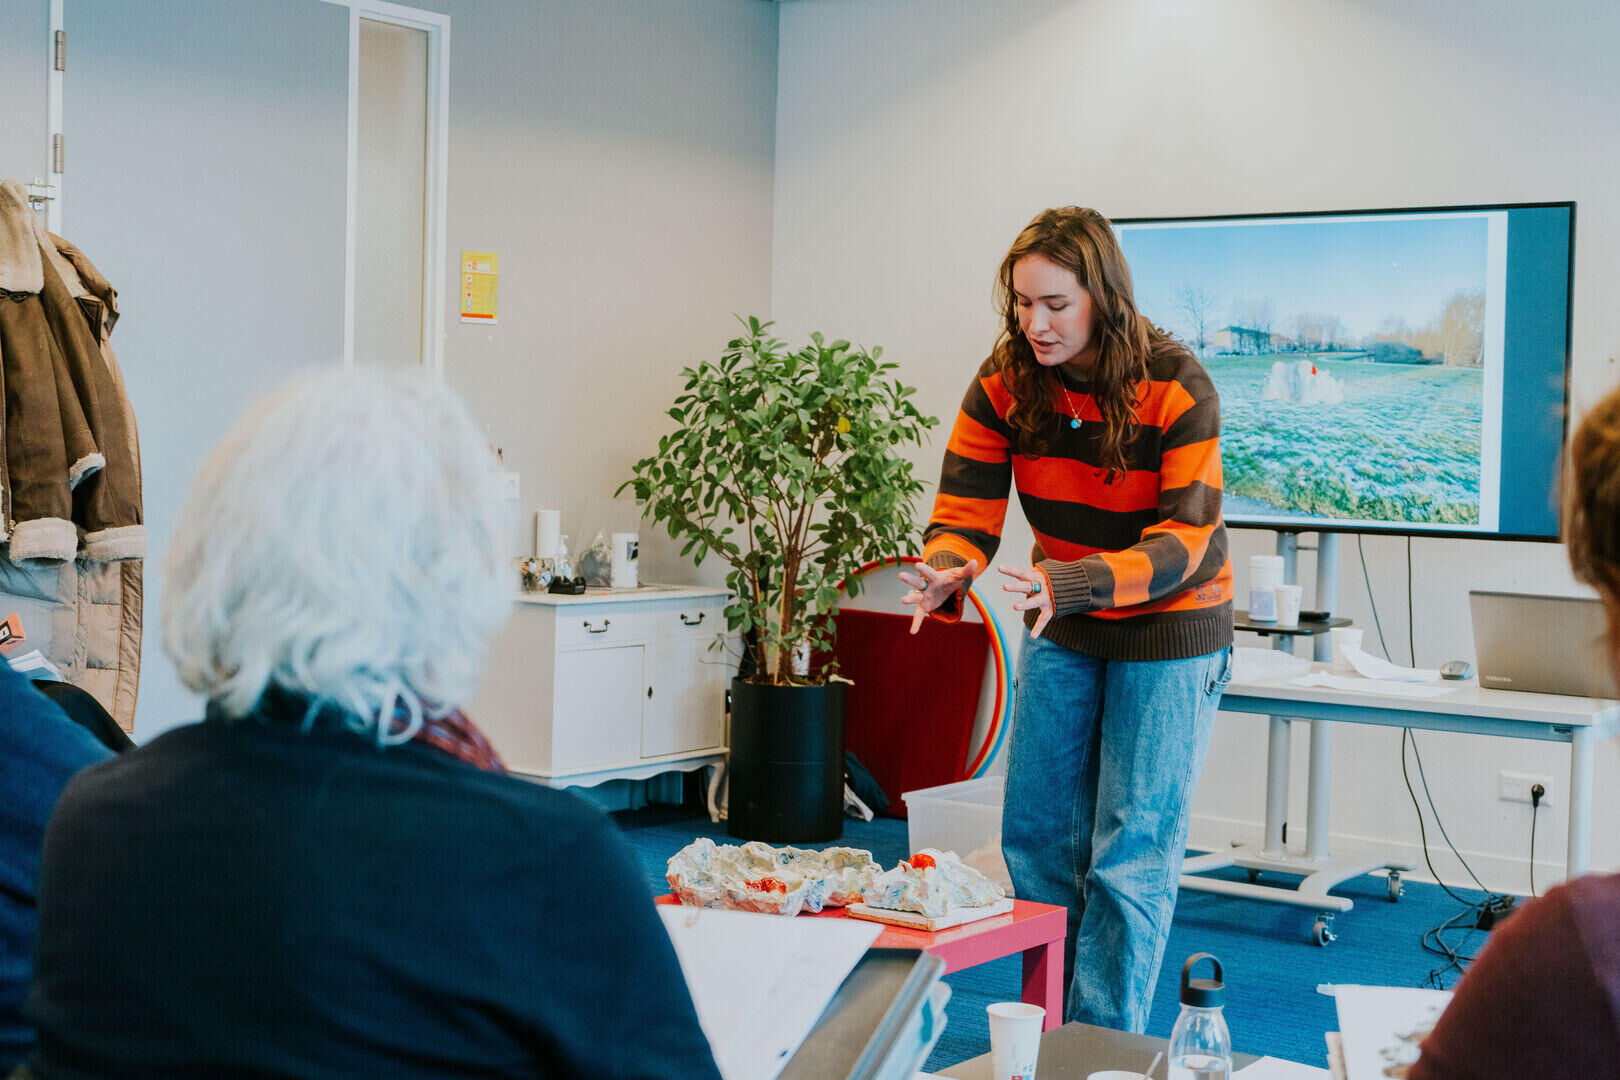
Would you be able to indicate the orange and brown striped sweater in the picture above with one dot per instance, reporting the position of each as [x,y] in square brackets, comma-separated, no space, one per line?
[1139,568]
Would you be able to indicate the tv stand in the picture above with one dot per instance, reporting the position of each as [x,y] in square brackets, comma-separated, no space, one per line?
[1319,869]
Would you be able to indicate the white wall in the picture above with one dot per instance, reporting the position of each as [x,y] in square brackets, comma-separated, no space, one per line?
[618,157]
[915,137]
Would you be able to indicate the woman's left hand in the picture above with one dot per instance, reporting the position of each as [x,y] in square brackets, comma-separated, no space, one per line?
[1031,584]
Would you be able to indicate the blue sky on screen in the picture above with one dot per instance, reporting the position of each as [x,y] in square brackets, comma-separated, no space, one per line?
[1361,269]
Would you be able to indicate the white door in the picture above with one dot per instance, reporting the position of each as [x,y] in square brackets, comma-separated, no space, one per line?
[391,159]
[597,717]
[686,706]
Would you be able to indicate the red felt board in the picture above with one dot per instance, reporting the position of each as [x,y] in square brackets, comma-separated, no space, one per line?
[909,715]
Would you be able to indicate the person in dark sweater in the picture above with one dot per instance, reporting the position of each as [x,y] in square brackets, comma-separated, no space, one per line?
[1543,999]
[330,875]
[41,749]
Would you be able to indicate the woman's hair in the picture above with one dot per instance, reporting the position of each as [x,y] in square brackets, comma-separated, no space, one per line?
[1592,499]
[345,542]
[1082,241]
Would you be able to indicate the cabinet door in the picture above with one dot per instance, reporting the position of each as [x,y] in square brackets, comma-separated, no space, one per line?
[597,720]
[686,703]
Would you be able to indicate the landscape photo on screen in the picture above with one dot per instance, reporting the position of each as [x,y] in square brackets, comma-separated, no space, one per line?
[1358,359]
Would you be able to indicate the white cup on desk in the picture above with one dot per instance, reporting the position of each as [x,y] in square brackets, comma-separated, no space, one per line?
[1015,1039]
[1288,601]
[1344,637]
[1117,1074]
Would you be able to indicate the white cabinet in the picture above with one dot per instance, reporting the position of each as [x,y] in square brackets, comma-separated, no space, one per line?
[608,685]
[685,708]
[596,708]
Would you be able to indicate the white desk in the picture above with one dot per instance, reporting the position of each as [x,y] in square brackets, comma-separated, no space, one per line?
[1466,708]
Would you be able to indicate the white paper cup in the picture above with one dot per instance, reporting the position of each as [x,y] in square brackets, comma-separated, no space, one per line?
[1116,1074]
[1345,637]
[1288,598]
[1015,1039]
[1265,574]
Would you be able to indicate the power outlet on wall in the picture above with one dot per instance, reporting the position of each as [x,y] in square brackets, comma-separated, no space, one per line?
[1515,787]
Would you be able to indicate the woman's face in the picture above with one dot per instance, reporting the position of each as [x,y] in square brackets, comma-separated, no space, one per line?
[1054,314]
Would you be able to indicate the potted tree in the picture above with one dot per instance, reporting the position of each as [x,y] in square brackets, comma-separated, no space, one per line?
[787,464]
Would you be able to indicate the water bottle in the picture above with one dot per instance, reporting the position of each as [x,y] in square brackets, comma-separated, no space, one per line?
[1200,1045]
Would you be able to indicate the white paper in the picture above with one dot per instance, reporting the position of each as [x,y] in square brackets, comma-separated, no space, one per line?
[34,660]
[1270,1068]
[1376,667]
[760,982]
[1252,665]
[1380,1026]
[1372,686]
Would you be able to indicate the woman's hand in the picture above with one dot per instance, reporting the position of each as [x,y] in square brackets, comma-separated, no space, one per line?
[1031,584]
[930,588]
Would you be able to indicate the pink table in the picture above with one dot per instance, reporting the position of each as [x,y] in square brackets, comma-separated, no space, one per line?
[1036,930]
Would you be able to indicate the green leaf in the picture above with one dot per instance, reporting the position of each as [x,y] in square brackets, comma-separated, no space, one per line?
[777,450]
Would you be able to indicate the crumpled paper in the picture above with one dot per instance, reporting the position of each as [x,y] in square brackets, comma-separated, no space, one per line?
[775,881]
[933,890]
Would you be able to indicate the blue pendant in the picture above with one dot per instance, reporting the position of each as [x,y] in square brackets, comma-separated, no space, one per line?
[1074,423]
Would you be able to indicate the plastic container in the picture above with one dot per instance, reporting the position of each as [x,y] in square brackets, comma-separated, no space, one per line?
[1200,1045]
[964,817]
[1265,574]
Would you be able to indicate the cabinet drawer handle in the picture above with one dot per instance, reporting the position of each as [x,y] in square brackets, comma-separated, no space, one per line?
[692,622]
[589,629]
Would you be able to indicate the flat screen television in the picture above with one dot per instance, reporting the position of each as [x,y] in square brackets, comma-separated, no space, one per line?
[1380,371]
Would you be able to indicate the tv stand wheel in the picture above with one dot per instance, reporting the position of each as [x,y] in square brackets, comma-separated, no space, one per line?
[1322,933]
[1395,886]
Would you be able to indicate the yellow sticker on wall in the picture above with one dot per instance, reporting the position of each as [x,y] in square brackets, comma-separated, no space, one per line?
[480,271]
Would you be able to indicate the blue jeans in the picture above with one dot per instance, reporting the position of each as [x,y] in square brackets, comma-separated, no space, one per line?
[1104,758]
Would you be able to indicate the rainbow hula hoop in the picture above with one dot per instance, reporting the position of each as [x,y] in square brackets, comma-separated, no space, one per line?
[1001,712]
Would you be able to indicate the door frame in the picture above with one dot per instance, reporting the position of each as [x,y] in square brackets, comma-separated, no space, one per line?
[437,186]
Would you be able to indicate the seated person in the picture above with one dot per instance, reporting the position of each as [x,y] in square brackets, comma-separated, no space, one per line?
[41,750]
[1543,999]
[329,875]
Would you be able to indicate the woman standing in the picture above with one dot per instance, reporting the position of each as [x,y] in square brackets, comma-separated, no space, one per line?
[1109,428]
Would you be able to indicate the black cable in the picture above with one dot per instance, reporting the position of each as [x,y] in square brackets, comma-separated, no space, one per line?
[1489,895]
[1423,833]
[1367,579]
[1411,640]
[1455,957]
[1471,910]
[1535,808]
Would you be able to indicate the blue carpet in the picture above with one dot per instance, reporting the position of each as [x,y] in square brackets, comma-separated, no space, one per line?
[1272,968]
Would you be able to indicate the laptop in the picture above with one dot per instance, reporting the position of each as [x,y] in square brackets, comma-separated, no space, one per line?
[1542,644]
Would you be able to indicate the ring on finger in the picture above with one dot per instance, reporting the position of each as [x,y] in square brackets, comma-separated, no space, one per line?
[1034,588]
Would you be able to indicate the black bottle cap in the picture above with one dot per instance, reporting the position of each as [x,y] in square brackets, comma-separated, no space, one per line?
[1202,993]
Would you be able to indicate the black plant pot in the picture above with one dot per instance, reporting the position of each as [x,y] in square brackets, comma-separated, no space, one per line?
[787,763]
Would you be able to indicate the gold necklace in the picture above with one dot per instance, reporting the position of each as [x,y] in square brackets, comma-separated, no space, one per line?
[1074,414]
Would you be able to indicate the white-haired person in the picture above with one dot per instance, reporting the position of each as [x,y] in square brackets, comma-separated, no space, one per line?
[330,875]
